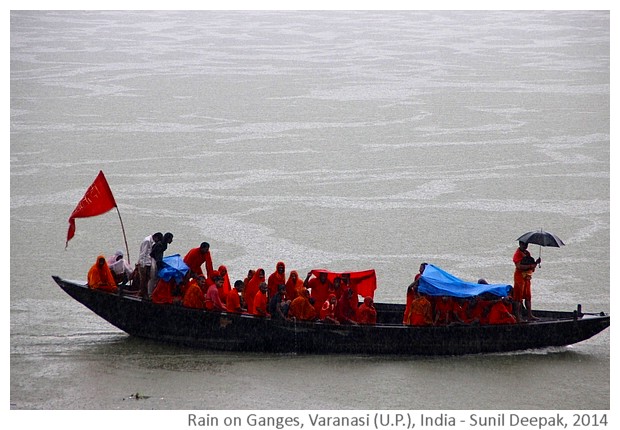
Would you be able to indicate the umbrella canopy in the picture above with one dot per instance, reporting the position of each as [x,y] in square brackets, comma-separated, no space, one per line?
[174,267]
[542,238]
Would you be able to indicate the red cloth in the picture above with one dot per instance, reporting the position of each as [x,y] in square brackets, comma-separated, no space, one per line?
[260,304]
[193,296]
[363,283]
[276,279]
[499,314]
[319,291]
[97,200]
[443,310]
[421,312]
[301,309]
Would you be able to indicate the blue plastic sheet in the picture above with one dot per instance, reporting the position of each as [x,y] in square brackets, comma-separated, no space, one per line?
[174,267]
[437,282]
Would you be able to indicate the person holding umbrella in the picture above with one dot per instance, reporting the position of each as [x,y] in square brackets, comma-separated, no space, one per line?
[525,265]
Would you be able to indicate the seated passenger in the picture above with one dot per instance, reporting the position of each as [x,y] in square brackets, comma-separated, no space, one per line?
[366,313]
[479,309]
[260,301]
[345,313]
[233,300]
[212,298]
[319,289]
[412,294]
[121,271]
[278,305]
[252,288]
[328,310]
[226,287]
[166,292]
[100,277]
[301,308]
[194,296]
[421,312]
[444,310]
[499,313]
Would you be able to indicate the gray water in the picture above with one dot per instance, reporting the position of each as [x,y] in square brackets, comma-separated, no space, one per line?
[344,140]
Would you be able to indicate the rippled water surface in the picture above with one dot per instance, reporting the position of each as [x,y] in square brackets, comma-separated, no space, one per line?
[345,140]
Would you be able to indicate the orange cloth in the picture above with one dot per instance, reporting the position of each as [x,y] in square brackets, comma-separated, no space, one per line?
[411,296]
[260,304]
[100,276]
[480,311]
[252,288]
[194,297]
[276,278]
[294,285]
[233,301]
[223,271]
[522,286]
[302,309]
[194,259]
[443,310]
[163,292]
[499,314]
[421,312]
[366,313]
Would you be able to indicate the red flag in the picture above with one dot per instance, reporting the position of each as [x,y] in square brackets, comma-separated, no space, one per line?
[363,283]
[97,200]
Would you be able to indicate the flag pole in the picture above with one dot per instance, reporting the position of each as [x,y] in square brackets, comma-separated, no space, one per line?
[124,235]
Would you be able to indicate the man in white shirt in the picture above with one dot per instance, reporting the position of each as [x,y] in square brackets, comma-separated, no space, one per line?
[145,262]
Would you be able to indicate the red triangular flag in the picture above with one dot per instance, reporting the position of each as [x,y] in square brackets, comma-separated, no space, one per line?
[97,200]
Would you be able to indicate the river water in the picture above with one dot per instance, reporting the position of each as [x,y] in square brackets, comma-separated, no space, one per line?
[344,140]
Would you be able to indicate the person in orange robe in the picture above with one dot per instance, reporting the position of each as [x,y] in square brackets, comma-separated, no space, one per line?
[260,301]
[366,313]
[294,285]
[319,289]
[233,300]
[345,313]
[252,288]
[276,279]
[301,308]
[163,292]
[100,276]
[499,313]
[223,271]
[522,287]
[479,309]
[412,294]
[444,310]
[194,296]
[195,257]
[421,312]
[328,310]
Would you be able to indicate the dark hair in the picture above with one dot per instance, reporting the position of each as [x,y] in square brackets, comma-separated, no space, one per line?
[158,236]
[168,236]
[205,245]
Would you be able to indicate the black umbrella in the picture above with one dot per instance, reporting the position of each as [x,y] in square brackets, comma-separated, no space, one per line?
[542,238]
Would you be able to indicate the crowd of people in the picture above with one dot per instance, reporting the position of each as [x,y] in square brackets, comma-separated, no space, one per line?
[314,298]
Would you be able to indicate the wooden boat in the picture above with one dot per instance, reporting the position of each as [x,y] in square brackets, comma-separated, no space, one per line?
[240,332]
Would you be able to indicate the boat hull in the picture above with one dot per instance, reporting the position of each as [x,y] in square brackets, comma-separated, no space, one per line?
[239,332]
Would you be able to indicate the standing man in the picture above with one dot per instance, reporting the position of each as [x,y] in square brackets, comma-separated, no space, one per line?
[144,262]
[522,288]
[157,259]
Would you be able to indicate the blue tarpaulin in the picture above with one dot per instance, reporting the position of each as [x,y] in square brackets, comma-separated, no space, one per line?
[174,267]
[437,282]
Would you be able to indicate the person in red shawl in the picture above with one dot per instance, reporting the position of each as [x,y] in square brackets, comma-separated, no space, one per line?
[252,288]
[328,310]
[195,259]
[345,313]
[421,313]
[276,279]
[260,301]
[366,313]
[223,271]
[294,285]
[233,300]
[100,277]
[165,292]
[499,313]
[301,308]
[319,289]
[194,296]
